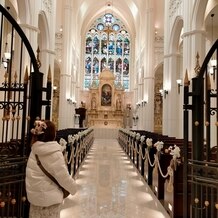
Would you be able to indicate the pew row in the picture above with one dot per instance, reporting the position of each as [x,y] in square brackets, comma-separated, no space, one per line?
[143,157]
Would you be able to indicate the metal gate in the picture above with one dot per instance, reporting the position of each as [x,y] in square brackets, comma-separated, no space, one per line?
[21,101]
[201,169]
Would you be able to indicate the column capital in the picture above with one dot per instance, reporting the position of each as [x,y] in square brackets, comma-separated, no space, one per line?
[172,55]
[193,32]
[30,27]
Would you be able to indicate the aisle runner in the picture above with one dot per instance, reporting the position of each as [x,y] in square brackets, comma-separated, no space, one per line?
[111,187]
[105,133]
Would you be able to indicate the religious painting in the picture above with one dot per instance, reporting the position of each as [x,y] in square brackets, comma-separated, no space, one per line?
[106,93]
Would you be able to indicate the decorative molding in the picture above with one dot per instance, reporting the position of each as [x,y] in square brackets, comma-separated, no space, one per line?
[48,5]
[172,55]
[159,53]
[159,38]
[158,50]
[58,45]
[174,6]
[59,35]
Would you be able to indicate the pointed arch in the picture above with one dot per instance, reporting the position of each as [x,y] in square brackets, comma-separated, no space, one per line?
[175,35]
[44,35]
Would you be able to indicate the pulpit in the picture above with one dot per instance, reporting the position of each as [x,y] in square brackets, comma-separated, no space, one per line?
[82,112]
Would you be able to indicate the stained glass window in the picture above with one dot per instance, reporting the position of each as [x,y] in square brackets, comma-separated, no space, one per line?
[107,45]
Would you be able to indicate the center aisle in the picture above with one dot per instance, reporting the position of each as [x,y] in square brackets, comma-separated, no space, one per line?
[111,187]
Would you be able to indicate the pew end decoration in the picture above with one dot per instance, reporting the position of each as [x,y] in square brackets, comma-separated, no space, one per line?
[63,144]
[175,152]
[175,161]
[76,147]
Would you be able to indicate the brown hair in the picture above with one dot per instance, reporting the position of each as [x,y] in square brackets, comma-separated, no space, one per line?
[49,133]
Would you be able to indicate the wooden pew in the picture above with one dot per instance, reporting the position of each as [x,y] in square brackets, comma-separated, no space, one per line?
[173,199]
[144,167]
[165,158]
[158,181]
[63,133]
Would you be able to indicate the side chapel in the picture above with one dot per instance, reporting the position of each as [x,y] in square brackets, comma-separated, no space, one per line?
[107,104]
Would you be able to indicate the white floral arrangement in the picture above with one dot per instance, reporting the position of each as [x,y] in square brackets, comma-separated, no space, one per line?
[40,126]
[159,145]
[142,138]
[77,137]
[174,151]
[71,139]
[149,142]
[63,144]
[133,134]
[138,136]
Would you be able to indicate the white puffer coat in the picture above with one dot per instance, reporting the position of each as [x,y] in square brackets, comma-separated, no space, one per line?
[41,190]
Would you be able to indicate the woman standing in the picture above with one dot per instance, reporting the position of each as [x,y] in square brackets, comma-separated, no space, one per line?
[44,195]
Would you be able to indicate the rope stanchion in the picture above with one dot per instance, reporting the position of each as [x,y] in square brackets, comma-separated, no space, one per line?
[79,146]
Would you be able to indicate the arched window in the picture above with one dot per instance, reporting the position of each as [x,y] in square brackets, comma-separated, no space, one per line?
[107,45]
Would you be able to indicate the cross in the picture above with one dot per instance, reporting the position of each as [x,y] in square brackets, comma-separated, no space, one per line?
[108,31]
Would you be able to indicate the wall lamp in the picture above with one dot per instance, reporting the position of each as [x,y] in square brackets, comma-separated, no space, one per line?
[213,63]
[144,103]
[163,92]
[7,56]
[138,104]
[179,83]
[70,101]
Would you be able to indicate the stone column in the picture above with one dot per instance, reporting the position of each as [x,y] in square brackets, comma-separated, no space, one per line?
[148,92]
[66,110]
[171,101]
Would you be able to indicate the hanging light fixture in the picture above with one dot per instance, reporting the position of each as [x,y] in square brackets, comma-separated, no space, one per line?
[213,61]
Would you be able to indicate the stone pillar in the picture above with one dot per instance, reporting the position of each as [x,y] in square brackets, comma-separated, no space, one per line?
[66,110]
[171,101]
[148,92]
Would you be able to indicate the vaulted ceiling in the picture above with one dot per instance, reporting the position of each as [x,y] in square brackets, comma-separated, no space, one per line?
[129,11]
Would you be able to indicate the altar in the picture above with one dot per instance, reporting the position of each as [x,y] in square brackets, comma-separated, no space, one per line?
[106,102]
[105,119]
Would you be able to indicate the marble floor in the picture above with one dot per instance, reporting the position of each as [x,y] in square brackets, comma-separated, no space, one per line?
[111,187]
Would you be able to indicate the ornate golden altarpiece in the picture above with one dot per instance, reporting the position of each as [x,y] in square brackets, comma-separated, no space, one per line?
[106,102]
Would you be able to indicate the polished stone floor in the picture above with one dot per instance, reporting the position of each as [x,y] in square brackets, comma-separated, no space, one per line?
[111,187]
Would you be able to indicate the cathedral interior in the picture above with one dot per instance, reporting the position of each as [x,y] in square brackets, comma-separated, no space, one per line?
[131,86]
